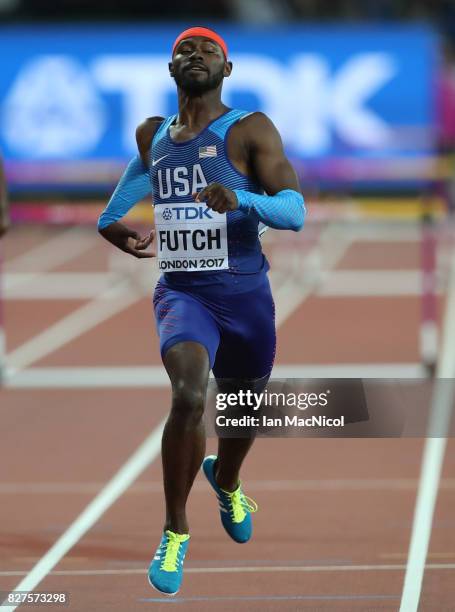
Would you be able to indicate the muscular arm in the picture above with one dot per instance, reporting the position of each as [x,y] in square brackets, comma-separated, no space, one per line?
[133,186]
[4,209]
[268,161]
[283,206]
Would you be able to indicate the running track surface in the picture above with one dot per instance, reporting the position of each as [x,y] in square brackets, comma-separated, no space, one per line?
[335,515]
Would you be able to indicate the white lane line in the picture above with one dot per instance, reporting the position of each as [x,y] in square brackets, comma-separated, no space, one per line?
[433,456]
[57,285]
[372,283]
[89,377]
[434,555]
[350,370]
[200,486]
[245,568]
[338,283]
[81,320]
[269,598]
[54,251]
[364,230]
[119,483]
[156,377]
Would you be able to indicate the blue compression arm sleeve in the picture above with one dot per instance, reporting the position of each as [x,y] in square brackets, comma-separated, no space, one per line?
[131,189]
[284,210]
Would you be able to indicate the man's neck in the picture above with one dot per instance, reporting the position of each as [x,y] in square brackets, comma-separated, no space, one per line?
[197,111]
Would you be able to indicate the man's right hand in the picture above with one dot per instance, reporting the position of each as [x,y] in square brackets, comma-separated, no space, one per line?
[129,240]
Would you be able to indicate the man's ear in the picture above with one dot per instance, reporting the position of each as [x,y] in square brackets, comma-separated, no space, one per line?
[171,69]
[227,69]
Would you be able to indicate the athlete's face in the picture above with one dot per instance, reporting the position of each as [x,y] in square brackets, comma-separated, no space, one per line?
[198,65]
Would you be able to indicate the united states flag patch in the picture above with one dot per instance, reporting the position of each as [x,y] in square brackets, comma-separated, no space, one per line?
[209,151]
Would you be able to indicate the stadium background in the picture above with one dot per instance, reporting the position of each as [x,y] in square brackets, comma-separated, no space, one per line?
[363,94]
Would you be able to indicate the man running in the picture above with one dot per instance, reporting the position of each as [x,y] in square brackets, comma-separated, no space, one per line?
[207,167]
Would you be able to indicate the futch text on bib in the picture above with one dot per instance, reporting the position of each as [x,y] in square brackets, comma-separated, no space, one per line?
[190,237]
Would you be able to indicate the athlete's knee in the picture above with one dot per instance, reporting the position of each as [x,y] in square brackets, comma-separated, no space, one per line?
[188,403]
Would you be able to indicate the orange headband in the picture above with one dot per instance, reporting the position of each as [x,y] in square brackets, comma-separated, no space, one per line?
[206,33]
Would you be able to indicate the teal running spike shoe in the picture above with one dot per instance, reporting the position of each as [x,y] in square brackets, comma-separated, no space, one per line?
[235,507]
[166,570]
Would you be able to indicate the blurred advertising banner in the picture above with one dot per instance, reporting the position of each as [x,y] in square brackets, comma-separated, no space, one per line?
[352,103]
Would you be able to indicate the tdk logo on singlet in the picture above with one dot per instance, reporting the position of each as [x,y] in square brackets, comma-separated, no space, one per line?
[180,181]
[187,213]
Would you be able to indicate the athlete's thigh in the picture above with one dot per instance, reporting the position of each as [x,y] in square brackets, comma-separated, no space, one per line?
[248,343]
[182,318]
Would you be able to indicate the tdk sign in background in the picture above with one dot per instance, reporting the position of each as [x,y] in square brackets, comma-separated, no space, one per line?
[77,93]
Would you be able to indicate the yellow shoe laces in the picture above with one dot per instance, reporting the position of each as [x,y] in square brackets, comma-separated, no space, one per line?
[172,548]
[240,504]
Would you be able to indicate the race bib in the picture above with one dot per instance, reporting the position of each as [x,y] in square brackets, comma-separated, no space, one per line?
[190,237]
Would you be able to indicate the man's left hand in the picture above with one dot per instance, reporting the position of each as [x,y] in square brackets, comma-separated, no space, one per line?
[218,198]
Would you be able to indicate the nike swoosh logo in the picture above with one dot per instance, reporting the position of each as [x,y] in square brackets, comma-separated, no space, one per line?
[157,161]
